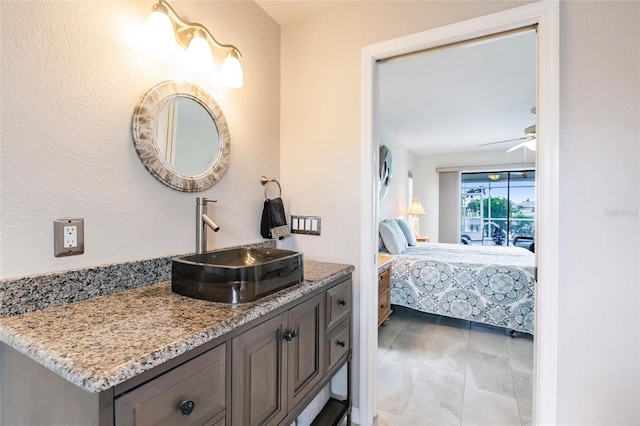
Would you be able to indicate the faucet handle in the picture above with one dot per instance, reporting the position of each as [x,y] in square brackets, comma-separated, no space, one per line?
[203,201]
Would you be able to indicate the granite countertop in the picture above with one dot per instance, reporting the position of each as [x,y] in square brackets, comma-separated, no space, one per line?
[101,342]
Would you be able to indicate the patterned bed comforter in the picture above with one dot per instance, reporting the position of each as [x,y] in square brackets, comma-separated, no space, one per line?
[491,285]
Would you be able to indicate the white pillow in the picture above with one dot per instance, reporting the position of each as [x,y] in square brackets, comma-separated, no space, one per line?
[393,237]
[407,231]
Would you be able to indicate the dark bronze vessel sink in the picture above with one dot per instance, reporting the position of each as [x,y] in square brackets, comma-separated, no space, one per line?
[236,275]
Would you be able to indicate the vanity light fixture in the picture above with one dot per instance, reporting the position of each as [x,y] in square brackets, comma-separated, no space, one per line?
[196,39]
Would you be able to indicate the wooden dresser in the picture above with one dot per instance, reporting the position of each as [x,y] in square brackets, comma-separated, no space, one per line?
[384,288]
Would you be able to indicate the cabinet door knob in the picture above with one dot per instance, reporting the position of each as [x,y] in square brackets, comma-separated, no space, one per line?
[340,343]
[342,302]
[186,407]
[290,335]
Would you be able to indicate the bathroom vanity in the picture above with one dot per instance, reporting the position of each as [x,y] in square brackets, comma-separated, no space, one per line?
[150,356]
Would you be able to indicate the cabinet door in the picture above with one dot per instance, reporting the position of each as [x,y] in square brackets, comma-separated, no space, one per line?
[259,365]
[305,351]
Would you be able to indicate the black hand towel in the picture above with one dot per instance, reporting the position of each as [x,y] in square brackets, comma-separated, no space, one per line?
[274,219]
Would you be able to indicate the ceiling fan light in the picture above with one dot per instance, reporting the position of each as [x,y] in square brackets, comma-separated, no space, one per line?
[530,144]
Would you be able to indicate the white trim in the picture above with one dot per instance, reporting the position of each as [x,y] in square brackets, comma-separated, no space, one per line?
[546,15]
[489,168]
[355,415]
[368,343]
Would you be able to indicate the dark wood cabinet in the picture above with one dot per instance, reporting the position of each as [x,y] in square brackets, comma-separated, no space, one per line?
[259,392]
[264,372]
[384,295]
[276,363]
[305,351]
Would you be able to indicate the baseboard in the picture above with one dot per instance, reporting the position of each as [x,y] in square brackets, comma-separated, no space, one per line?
[355,416]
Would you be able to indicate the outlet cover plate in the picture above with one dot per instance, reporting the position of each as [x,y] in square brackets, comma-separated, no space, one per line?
[59,250]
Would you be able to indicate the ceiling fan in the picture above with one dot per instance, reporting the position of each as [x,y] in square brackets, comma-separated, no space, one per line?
[528,141]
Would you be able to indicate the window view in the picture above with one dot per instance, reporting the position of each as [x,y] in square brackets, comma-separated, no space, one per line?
[498,208]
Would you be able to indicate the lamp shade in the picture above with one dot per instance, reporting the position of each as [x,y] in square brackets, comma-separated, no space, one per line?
[231,71]
[531,144]
[416,208]
[199,53]
[158,31]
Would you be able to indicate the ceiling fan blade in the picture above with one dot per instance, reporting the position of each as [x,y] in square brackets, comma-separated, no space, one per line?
[520,145]
[524,138]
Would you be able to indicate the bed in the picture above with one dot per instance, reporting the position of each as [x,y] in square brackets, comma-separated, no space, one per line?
[487,284]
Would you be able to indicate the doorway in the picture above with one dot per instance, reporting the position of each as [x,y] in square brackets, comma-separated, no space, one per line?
[545,16]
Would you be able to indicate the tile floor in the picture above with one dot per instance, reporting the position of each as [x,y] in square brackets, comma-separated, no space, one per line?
[436,370]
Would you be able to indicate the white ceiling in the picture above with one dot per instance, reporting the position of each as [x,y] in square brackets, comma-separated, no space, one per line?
[447,100]
[454,99]
[287,11]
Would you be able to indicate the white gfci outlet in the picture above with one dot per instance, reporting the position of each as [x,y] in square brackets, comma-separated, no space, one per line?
[68,236]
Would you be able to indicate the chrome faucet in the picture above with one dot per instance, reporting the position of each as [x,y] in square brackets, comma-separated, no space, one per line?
[202,220]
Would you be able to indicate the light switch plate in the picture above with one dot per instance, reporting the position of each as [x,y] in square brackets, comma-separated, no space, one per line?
[309,225]
[68,231]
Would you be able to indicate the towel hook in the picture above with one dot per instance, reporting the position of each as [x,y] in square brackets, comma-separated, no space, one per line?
[265,181]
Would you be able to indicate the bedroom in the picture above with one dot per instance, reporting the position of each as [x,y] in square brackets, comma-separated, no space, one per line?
[442,143]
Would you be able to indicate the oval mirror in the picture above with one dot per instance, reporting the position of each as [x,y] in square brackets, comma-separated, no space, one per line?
[384,171]
[181,136]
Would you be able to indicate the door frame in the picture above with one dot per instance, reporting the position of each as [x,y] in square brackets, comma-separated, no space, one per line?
[546,15]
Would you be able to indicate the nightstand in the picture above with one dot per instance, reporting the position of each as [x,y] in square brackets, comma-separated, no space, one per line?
[422,239]
[384,288]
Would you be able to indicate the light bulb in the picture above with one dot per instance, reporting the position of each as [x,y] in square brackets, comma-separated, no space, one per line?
[231,71]
[531,144]
[158,32]
[199,53]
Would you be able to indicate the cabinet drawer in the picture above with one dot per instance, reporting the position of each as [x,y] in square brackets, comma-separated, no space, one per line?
[200,381]
[384,279]
[338,303]
[338,344]
[384,307]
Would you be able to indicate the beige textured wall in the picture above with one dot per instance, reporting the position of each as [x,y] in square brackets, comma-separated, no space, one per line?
[72,74]
[321,167]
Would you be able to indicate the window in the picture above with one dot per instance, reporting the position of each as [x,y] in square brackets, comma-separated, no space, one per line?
[409,189]
[497,207]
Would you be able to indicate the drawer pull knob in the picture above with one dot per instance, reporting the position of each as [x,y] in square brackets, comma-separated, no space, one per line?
[341,343]
[186,407]
[290,335]
[342,302]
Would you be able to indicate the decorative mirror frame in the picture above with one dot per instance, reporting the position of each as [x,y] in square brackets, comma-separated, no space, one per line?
[384,172]
[142,131]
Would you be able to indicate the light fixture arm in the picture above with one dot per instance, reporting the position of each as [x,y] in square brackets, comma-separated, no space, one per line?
[185,31]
